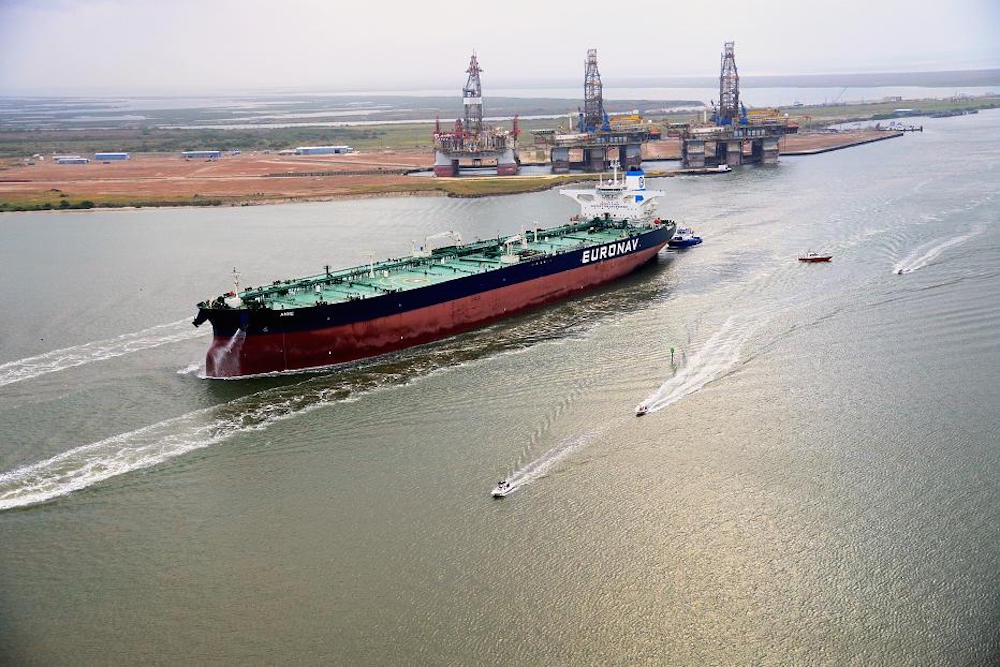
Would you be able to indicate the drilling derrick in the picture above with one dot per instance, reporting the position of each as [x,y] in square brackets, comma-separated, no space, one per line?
[471,141]
[593,135]
[593,94]
[729,86]
[472,98]
[733,129]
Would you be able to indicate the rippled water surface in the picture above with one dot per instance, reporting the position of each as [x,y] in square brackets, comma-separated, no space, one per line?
[816,481]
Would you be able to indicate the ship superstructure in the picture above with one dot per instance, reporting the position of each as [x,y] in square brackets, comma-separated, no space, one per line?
[617,199]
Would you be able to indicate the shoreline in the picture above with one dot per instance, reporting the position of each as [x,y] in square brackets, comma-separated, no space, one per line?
[889,134]
[158,181]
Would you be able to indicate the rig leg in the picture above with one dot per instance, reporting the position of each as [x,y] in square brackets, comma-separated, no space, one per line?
[559,157]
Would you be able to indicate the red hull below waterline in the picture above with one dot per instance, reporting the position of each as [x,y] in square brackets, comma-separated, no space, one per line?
[269,353]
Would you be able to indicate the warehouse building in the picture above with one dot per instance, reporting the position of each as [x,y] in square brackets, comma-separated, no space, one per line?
[197,155]
[322,150]
[107,157]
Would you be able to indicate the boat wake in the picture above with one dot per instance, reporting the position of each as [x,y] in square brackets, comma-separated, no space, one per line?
[928,252]
[86,465]
[540,466]
[87,353]
[718,355]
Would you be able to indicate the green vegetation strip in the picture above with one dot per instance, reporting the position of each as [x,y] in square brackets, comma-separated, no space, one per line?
[23,143]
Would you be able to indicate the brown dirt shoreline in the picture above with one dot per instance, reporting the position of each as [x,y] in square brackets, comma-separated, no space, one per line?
[155,180]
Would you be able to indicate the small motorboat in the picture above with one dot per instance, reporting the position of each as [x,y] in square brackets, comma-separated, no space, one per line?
[684,238]
[813,257]
[899,272]
[641,410]
[502,488]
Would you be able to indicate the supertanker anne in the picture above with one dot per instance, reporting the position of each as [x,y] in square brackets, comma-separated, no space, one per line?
[348,314]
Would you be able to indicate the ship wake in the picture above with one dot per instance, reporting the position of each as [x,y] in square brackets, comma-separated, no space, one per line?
[87,465]
[718,356]
[87,353]
[928,252]
[90,464]
[540,466]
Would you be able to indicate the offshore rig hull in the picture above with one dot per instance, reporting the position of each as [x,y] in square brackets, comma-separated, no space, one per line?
[448,161]
[733,128]
[259,340]
[596,133]
[472,143]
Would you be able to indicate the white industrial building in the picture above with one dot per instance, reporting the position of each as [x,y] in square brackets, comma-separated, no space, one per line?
[322,150]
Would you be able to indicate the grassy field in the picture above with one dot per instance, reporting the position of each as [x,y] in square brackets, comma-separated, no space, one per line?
[821,115]
[50,201]
[22,143]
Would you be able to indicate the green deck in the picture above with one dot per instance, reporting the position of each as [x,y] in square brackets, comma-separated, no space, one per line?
[447,263]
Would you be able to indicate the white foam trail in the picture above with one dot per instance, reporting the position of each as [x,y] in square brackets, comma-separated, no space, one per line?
[924,255]
[540,466]
[88,464]
[719,354]
[78,355]
[189,369]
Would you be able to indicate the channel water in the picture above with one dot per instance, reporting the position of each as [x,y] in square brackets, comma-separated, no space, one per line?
[815,482]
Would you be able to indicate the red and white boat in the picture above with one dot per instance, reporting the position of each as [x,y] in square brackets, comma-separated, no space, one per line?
[813,257]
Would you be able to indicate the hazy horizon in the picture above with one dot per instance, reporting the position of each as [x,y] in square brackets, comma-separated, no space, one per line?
[111,47]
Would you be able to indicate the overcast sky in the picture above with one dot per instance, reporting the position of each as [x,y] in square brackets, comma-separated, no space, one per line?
[204,46]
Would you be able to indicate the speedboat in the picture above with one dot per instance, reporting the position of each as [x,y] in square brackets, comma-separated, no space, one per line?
[899,272]
[684,238]
[641,410]
[502,488]
[813,257]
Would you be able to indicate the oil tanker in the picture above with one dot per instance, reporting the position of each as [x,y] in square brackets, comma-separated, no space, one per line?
[444,287]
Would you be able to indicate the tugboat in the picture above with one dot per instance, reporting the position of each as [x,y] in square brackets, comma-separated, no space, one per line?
[683,238]
[813,257]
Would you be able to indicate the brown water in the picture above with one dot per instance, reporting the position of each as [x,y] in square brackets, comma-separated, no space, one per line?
[817,482]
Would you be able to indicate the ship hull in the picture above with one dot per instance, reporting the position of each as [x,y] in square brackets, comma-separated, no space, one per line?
[259,342]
